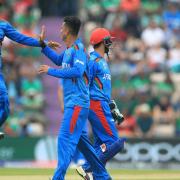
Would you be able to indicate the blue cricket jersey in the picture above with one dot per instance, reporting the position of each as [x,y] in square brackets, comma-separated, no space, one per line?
[9,31]
[74,71]
[100,78]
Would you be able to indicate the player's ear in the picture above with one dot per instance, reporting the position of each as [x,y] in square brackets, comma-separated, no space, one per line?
[68,32]
[66,29]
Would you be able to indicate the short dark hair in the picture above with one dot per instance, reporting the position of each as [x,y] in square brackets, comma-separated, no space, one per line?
[97,45]
[73,24]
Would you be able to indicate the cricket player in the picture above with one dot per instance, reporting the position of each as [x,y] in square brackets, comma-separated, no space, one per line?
[74,72]
[6,29]
[103,111]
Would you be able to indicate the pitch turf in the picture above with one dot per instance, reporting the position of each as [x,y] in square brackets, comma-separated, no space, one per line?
[44,174]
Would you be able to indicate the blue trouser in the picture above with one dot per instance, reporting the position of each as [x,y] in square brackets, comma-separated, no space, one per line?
[4,101]
[4,109]
[77,156]
[70,136]
[103,127]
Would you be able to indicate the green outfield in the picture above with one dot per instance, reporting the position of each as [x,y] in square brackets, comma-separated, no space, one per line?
[44,174]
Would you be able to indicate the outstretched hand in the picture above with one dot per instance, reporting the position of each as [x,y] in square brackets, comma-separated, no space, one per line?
[43,69]
[42,34]
[52,44]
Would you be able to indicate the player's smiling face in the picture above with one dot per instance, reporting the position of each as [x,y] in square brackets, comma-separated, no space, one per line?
[64,31]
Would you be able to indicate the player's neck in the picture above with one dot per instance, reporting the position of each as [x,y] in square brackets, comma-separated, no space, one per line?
[100,51]
[70,41]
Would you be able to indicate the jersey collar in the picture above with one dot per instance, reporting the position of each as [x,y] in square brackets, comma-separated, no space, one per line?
[96,54]
[77,41]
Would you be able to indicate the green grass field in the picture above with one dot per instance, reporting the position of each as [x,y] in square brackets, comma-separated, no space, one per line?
[44,174]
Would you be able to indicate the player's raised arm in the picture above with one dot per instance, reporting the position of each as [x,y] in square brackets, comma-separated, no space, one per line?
[74,72]
[16,36]
[53,55]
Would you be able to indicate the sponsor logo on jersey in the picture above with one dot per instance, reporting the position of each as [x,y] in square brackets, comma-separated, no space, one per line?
[78,61]
[66,65]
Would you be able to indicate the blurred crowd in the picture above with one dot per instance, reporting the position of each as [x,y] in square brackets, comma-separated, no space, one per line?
[144,61]
[25,88]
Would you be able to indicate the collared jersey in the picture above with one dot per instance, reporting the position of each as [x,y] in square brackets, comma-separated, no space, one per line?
[100,78]
[9,31]
[74,73]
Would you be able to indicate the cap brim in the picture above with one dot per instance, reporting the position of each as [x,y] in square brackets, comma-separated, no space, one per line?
[113,38]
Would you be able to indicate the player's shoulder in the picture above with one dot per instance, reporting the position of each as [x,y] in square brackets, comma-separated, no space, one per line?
[75,48]
[96,59]
[78,44]
[79,47]
[3,22]
[79,50]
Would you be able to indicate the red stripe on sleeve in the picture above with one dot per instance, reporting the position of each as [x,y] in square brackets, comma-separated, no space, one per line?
[99,83]
[85,78]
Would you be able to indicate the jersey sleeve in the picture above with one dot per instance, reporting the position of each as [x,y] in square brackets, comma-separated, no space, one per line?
[76,71]
[93,69]
[53,56]
[16,36]
[60,82]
